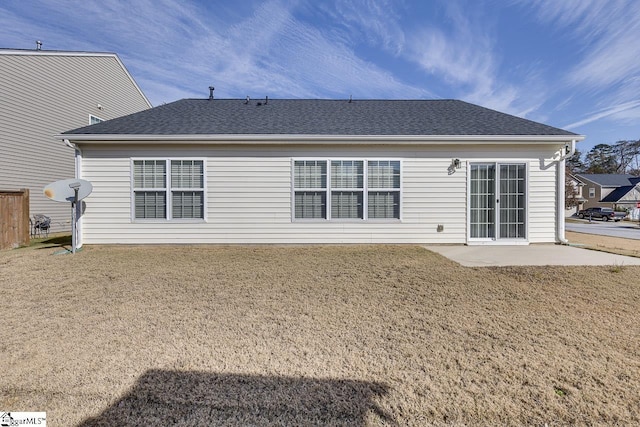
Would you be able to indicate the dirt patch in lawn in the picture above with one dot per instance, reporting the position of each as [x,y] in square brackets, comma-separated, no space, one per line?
[333,335]
[617,245]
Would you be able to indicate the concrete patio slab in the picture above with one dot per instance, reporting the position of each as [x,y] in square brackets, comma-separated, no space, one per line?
[542,254]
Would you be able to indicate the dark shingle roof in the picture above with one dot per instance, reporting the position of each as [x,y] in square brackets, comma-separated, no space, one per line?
[319,117]
[620,192]
[607,179]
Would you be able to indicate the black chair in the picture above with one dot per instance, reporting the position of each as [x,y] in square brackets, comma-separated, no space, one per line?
[40,225]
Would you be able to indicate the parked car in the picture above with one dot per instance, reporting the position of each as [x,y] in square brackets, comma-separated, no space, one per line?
[604,214]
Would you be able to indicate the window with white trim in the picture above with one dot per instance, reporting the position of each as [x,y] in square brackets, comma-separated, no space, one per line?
[348,189]
[592,192]
[383,189]
[93,119]
[168,189]
[310,193]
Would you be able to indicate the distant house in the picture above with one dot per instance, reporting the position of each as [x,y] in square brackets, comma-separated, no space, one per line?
[43,93]
[575,198]
[322,171]
[610,190]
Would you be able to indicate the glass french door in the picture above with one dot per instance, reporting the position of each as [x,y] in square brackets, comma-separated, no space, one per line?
[497,204]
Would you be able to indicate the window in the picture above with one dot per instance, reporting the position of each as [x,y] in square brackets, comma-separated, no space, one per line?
[346,189]
[150,193]
[384,189]
[93,119]
[347,192]
[310,182]
[592,192]
[168,189]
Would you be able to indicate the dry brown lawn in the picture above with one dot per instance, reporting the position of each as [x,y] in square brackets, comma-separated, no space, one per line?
[332,335]
[618,245]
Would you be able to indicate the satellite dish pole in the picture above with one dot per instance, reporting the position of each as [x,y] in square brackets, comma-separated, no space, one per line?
[74,214]
[70,190]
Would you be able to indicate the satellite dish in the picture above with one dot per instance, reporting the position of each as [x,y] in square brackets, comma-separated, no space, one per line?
[70,190]
[64,190]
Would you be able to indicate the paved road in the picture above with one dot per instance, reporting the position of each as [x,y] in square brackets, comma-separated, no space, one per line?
[626,229]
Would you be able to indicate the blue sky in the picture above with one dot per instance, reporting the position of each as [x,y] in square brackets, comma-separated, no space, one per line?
[573,64]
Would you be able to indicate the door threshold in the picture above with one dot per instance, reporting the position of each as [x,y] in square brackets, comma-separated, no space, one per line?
[498,243]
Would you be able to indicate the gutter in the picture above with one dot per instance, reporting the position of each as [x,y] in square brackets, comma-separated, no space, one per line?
[78,173]
[567,151]
[313,139]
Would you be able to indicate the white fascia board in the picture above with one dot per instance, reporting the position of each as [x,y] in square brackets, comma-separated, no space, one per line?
[34,52]
[313,139]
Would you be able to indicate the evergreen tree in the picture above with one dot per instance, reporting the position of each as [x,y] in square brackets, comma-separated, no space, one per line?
[602,159]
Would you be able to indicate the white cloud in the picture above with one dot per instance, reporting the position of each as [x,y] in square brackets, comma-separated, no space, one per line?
[466,58]
[608,33]
[626,110]
[375,21]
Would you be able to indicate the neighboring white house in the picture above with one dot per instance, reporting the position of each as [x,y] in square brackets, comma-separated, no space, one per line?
[322,171]
[43,93]
[575,198]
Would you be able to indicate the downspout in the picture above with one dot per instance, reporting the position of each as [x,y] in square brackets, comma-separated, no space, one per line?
[78,173]
[561,193]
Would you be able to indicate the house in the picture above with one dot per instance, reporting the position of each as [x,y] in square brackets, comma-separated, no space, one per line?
[43,93]
[574,195]
[322,171]
[617,191]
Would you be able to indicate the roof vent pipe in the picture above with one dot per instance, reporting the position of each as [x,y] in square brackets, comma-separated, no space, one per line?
[266,100]
[38,45]
[211,89]
[247,100]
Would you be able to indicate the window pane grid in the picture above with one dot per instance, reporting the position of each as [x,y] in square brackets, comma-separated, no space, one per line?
[311,204]
[346,204]
[383,174]
[149,173]
[482,201]
[187,173]
[384,205]
[310,174]
[150,204]
[347,174]
[512,201]
[187,204]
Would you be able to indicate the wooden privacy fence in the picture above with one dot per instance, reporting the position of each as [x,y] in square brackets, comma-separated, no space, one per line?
[14,219]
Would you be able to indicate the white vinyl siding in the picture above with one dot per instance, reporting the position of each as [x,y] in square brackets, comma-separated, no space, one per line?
[249,192]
